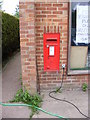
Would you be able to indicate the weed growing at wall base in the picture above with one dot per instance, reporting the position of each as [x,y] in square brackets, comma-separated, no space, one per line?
[84,87]
[25,97]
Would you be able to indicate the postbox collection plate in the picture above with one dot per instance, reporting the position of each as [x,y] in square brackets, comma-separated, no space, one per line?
[51,51]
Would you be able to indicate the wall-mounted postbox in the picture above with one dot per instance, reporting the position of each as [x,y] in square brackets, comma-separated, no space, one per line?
[51,51]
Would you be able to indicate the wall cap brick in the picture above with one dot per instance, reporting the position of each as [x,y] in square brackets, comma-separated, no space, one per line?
[50,1]
[47,1]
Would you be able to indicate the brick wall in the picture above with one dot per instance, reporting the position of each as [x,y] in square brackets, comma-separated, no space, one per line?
[28,45]
[51,18]
[35,19]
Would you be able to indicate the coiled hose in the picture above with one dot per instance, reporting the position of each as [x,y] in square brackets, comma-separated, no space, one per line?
[40,109]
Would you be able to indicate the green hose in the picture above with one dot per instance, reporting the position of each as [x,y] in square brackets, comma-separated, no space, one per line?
[40,109]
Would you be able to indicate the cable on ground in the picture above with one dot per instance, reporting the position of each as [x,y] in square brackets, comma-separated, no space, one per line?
[62,100]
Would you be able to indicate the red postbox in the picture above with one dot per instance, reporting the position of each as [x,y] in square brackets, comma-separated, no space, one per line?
[51,51]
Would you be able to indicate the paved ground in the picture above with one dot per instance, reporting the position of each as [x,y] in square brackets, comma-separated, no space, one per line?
[79,98]
[11,84]
[10,78]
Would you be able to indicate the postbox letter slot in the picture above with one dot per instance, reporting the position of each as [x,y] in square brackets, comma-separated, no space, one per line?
[51,40]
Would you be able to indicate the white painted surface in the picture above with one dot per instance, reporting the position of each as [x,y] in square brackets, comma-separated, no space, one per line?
[82,24]
[51,50]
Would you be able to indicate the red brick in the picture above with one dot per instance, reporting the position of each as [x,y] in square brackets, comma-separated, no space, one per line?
[57,5]
[58,12]
[51,8]
[46,12]
[57,20]
[40,16]
[46,5]
[39,8]
[65,8]
[52,16]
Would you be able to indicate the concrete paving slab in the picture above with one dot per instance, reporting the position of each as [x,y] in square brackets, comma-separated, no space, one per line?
[16,112]
[79,98]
